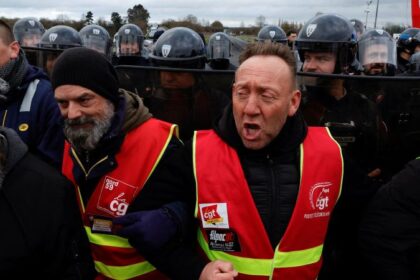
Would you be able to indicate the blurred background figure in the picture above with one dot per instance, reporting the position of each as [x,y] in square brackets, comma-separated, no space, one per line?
[219,52]
[28,32]
[159,31]
[377,53]
[358,26]
[97,38]
[54,41]
[181,96]
[129,46]
[291,38]
[406,46]
[272,33]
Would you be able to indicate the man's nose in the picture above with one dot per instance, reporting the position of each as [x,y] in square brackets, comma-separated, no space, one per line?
[74,111]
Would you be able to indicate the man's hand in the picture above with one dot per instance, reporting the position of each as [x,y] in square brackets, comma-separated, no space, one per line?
[147,230]
[218,270]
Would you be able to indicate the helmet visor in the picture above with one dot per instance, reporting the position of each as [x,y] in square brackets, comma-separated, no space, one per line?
[95,43]
[129,45]
[219,49]
[377,51]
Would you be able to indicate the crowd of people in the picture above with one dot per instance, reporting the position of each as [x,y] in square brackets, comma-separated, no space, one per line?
[290,173]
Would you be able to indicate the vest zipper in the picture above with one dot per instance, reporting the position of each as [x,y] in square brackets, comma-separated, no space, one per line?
[272,186]
[81,165]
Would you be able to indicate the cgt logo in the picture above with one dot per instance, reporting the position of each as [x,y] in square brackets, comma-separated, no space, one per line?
[214,215]
[119,205]
[210,214]
[319,196]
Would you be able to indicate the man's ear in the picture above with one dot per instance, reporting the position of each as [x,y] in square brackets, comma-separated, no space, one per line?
[14,48]
[294,102]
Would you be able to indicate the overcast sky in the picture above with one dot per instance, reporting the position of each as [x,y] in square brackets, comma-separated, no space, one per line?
[229,12]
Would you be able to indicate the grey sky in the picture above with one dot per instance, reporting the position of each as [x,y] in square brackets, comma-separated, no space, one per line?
[229,12]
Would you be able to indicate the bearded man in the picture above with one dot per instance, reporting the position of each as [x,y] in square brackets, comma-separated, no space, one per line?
[114,154]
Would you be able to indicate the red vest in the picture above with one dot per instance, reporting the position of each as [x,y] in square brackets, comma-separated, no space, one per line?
[139,155]
[230,226]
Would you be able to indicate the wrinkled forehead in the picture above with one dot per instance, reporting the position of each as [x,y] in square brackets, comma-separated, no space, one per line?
[262,67]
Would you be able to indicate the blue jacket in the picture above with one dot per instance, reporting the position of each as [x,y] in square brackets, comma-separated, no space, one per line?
[31,110]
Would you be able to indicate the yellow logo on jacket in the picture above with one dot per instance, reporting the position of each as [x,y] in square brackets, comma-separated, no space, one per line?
[23,127]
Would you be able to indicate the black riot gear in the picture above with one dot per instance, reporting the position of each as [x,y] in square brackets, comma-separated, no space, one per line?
[179,47]
[377,53]
[60,37]
[329,33]
[97,38]
[28,31]
[272,33]
[129,40]
[219,50]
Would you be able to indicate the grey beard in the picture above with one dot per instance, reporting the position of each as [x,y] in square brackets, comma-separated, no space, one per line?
[88,138]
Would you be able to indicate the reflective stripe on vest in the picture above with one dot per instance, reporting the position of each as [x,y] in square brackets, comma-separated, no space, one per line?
[263,267]
[114,257]
[29,95]
[121,272]
[217,169]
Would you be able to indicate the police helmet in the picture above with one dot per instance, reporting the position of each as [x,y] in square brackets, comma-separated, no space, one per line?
[219,50]
[97,38]
[370,51]
[179,47]
[358,26]
[129,40]
[272,33]
[414,63]
[60,37]
[329,33]
[28,31]
[408,40]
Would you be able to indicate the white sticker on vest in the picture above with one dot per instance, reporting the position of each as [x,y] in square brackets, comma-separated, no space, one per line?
[214,215]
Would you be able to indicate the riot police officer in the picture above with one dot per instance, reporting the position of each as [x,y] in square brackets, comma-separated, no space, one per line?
[54,41]
[182,97]
[406,46]
[377,53]
[219,52]
[129,46]
[272,33]
[97,38]
[28,32]
[327,45]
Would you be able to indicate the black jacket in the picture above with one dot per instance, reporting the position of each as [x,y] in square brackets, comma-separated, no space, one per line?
[42,235]
[273,176]
[390,231]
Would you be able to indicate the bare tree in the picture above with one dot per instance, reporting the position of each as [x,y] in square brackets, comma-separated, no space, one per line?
[191,18]
[260,21]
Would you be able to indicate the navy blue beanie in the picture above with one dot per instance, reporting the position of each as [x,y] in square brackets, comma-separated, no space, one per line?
[87,68]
